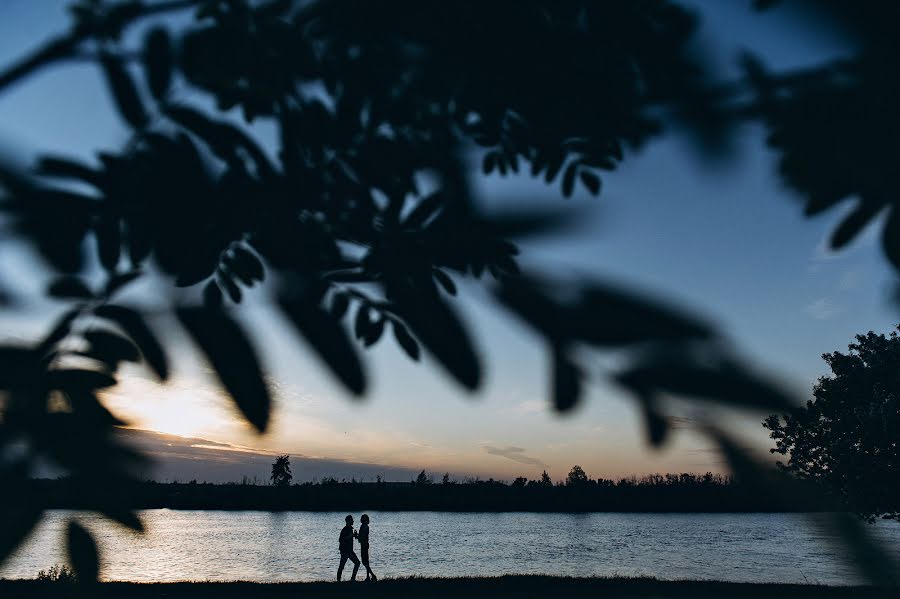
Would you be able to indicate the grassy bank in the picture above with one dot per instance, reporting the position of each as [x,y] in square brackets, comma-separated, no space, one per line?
[499,587]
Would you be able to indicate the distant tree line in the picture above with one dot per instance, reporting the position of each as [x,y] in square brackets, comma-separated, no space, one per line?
[684,492]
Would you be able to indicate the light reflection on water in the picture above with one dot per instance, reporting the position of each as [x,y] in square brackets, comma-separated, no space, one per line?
[280,546]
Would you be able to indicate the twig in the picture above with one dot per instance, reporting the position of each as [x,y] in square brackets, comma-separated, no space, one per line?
[64,46]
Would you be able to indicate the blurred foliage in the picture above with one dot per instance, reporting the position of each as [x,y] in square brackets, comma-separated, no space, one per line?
[361,212]
[845,439]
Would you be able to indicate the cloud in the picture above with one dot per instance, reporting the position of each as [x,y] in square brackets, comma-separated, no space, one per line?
[850,280]
[516,454]
[531,406]
[822,309]
[187,458]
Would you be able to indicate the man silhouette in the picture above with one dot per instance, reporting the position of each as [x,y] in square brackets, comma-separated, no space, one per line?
[345,544]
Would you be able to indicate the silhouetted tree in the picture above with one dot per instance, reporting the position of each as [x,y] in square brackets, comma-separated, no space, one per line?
[577,477]
[545,479]
[446,478]
[423,479]
[281,471]
[360,208]
[846,438]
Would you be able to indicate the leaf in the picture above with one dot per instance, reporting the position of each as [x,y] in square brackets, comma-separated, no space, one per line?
[568,183]
[444,280]
[489,163]
[522,222]
[123,90]
[598,315]
[109,242]
[64,168]
[127,518]
[890,238]
[440,330]
[158,62]
[78,380]
[212,295]
[425,210]
[726,383]
[16,364]
[591,181]
[851,226]
[21,511]
[326,335]
[233,358]
[112,346]
[82,553]
[118,281]
[405,340]
[373,334]
[339,304]
[133,324]
[225,280]
[60,330]
[221,137]
[566,381]
[870,558]
[248,263]
[361,323]
[657,426]
[69,287]
[553,167]
[90,412]
[610,315]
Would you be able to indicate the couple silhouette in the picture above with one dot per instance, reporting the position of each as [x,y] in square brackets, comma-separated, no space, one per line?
[345,544]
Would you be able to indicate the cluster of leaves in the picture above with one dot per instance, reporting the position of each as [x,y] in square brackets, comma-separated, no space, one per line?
[836,127]
[52,413]
[362,204]
[845,439]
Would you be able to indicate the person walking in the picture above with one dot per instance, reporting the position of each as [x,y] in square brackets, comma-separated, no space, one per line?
[345,544]
[363,536]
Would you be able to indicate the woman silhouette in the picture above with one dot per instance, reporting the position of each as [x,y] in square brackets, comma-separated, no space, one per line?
[363,536]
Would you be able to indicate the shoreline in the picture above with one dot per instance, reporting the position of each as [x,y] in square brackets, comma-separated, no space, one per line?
[493,587]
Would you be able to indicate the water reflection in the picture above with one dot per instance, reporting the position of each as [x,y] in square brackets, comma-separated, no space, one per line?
[272,546]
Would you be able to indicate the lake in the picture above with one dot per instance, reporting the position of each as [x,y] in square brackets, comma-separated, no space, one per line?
[282,546]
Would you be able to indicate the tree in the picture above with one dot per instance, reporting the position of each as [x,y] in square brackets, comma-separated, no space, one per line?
[445,480]
[281,471]
[846,438]
[423,479]
[333,218]
[577,477]
[520,482]
[545,480]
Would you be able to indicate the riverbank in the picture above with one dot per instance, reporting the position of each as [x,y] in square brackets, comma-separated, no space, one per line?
[685,493]
[493,587]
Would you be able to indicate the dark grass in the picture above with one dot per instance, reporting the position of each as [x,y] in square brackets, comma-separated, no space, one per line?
[556,587]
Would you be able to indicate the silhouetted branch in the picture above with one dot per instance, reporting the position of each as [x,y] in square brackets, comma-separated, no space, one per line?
[64,46]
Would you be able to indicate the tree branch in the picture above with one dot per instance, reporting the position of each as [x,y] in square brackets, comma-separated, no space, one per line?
[64,46]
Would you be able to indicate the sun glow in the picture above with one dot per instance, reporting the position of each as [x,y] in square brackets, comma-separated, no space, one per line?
[182,410]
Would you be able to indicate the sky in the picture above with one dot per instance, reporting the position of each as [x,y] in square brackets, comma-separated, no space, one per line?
[727,241]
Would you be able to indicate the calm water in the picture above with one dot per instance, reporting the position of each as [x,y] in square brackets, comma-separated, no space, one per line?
[265,546]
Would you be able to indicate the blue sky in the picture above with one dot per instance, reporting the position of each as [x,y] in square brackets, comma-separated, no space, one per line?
[727,241]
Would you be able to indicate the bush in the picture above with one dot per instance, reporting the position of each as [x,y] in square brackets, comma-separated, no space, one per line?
[58,573]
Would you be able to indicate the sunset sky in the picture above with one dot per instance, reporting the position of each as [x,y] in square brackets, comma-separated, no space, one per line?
[726,241]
